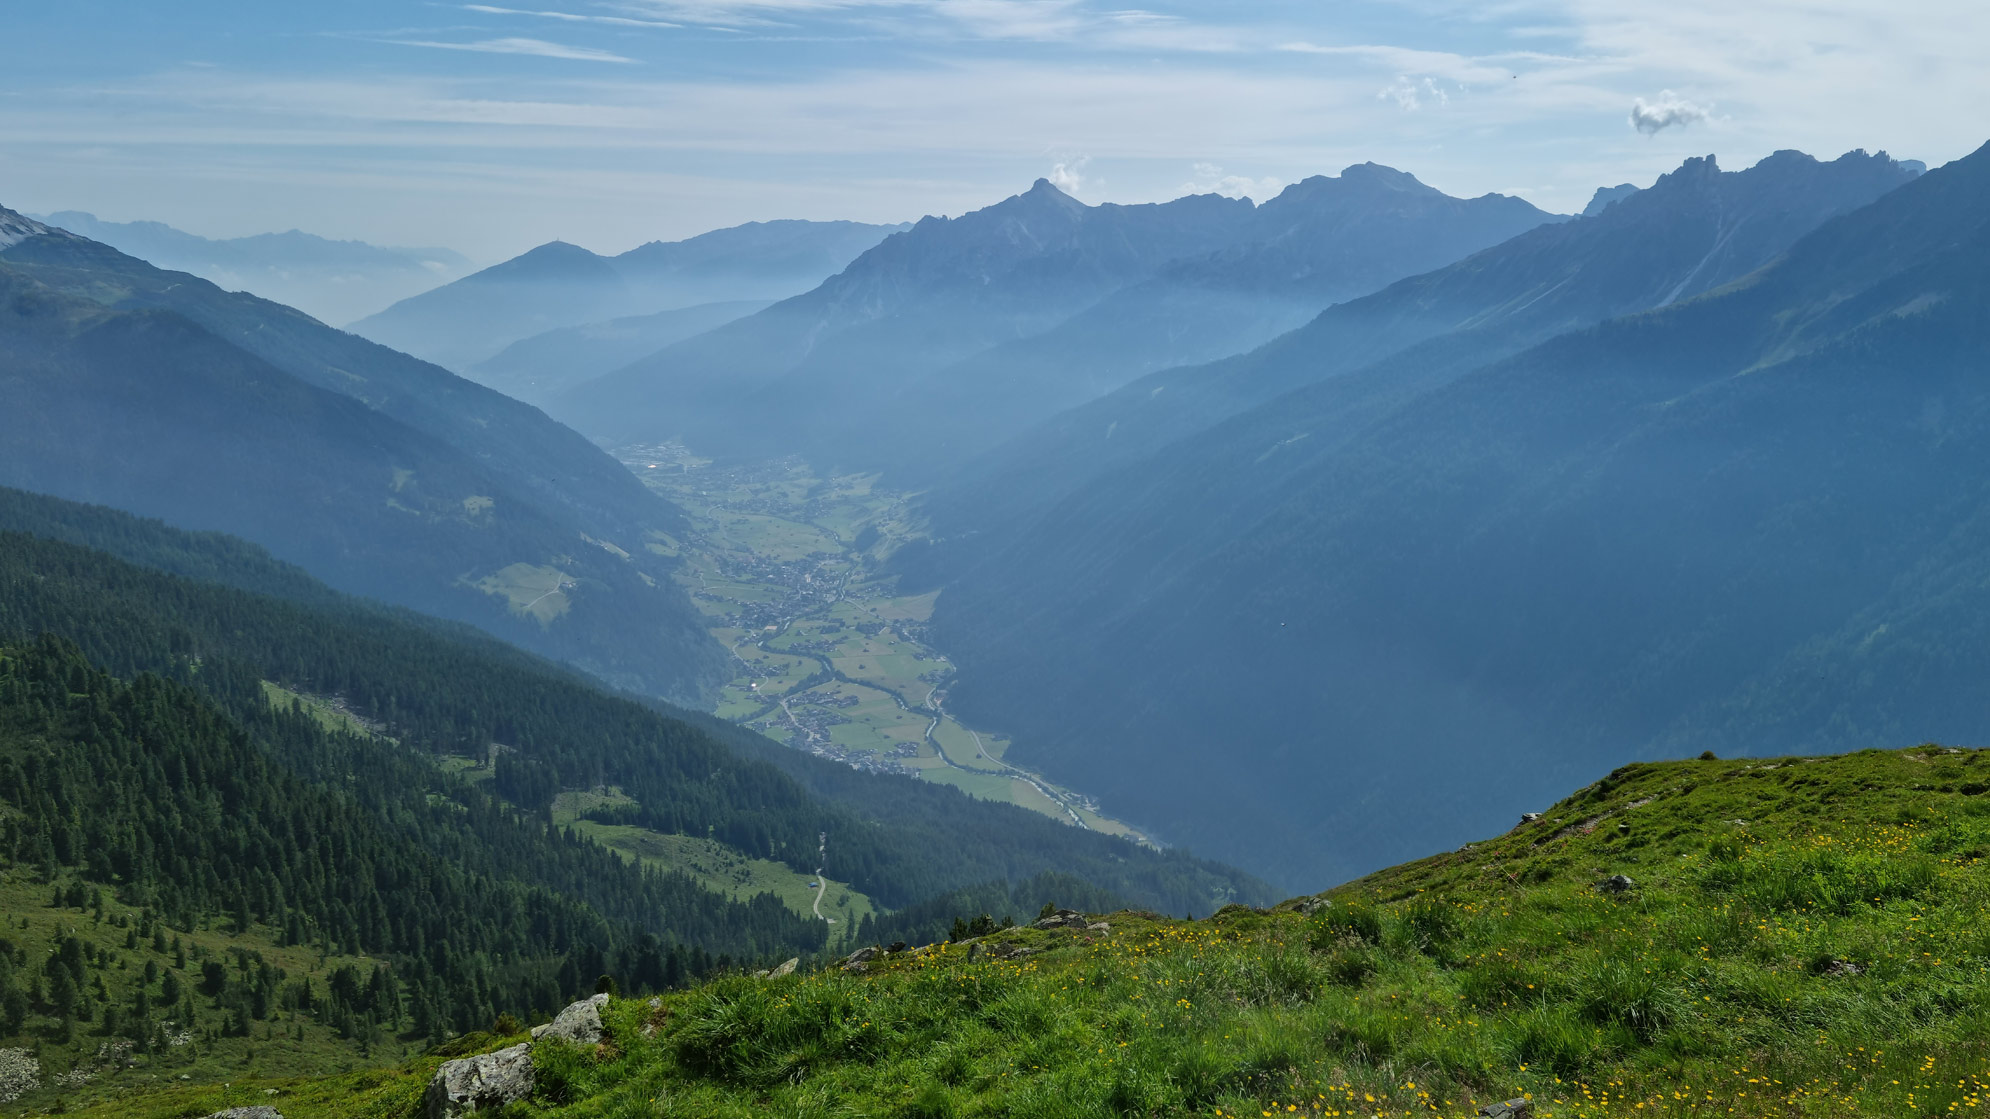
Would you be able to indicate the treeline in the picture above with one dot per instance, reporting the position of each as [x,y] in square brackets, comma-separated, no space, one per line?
[898,840]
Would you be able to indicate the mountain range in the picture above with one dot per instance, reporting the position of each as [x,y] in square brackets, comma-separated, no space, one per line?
[1375,611]
[558,285]
[160,393]
[949,336]
[333,281]
[1690,232]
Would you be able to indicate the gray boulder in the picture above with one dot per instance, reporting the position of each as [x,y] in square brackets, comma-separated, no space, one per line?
[1509,1109]
[1062,919]
[785,969]
[260,1111]
[579,1023]
[1616,884]
[484,1082]
[857,960]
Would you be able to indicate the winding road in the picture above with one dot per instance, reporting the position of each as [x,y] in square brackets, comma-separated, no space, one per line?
[821,883]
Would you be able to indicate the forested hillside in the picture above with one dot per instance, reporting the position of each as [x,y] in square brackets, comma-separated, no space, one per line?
[255,828]
[158,766]
[445,696]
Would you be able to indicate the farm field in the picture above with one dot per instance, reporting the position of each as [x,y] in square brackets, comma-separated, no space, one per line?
[830,658]
[714,865]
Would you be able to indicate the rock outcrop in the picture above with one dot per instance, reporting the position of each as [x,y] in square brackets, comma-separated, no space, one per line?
[482,1083]
[260,1111]
[1062,919]
[579,1023]
[1509,1109]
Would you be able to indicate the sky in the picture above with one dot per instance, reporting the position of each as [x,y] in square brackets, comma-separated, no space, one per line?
[490,128]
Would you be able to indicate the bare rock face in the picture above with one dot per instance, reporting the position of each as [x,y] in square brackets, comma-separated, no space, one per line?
[785,969]
[1062,919]
[579,1023]
[860,959]
[481,1083]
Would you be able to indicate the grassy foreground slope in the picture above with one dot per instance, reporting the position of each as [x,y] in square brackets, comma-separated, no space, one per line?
[1801,936]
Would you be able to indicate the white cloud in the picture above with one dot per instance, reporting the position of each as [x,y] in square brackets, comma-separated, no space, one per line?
[568,17]
[1210,179]
[1069,177]
[1653,117]
[1077,22]
[1409,94]
[537,47]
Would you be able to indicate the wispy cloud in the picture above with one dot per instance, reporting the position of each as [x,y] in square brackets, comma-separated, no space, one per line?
[1078,22]
[1210,178]
[1411,95]
[537,47]
[1069,177]
[569,17]
[1653,117]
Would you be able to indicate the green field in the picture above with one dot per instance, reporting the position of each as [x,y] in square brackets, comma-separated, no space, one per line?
[536,592]
[714,865]
[328,715]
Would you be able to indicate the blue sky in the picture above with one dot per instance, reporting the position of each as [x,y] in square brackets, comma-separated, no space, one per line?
[489,128]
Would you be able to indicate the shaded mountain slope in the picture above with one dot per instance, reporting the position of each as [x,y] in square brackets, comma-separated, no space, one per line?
[1613,543]
[146,410]
[541,459]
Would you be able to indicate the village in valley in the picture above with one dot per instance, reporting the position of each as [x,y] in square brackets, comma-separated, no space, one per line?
[829,656]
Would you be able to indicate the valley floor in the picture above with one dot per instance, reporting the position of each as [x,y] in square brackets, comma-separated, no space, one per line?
[830,657]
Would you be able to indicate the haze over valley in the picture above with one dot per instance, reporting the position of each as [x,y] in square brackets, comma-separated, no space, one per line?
[1014,559]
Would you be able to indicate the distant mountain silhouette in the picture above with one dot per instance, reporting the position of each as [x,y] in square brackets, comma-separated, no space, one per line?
[946,338]
[538,368]
[159,393]
[1371,613]
[333,281]
[559,285]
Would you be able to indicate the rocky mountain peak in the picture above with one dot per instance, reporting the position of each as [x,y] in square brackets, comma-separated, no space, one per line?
[16,228]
